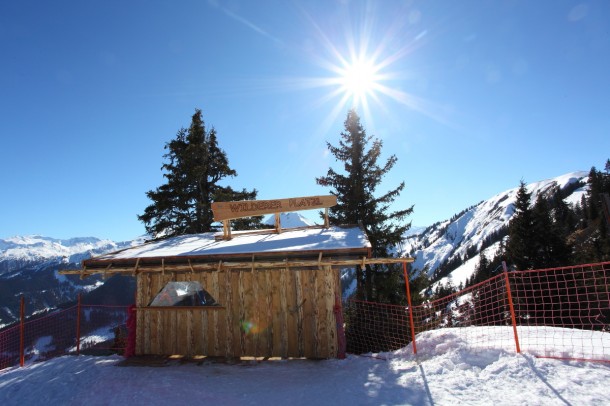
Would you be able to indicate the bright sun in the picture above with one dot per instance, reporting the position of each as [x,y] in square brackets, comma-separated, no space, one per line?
[359,80]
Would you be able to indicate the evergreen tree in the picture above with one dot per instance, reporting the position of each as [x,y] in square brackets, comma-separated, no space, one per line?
[355,191]
[550,240]
[521,243]
[481,270]
[194,166]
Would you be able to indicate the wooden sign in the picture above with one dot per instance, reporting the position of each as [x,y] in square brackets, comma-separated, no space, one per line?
[246,208]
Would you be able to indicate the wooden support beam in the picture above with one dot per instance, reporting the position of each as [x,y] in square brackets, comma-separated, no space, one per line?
[213,266]
[135,269]
[278,223]
[226,229]
[106,270]
[191,266]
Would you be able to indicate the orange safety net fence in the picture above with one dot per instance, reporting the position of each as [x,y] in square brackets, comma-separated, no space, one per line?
[559,312]
[91,329]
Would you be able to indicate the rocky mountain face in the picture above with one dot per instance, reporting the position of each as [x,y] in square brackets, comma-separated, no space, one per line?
[479,228]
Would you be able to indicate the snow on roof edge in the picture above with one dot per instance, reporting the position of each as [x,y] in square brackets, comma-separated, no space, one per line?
[314,239]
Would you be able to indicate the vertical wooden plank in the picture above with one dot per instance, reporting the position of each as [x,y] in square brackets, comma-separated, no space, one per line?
[216,329]
[234,327]
[283,314]
[243,321]
[252,327]
[308,291]
[321,326]
[262,312]
[275,323]
[300,279]
[180,334]
[156,331]
[317,326]
[268,291]
[229,317]
[200,320]
[310,336]
[330,320]
[255,312]
[141,326]
[292,308]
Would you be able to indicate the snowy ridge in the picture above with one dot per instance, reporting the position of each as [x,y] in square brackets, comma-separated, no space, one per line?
[289,220]
[20,251]
[465,235]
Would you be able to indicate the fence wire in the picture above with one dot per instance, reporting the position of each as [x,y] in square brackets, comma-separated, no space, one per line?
[99,330]
[558,312]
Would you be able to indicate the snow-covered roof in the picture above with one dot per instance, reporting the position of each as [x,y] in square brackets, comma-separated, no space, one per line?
[312,240]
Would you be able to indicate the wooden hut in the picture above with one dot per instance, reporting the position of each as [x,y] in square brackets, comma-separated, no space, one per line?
[276,294]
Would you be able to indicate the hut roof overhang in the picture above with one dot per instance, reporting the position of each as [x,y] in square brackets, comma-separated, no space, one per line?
[312,246]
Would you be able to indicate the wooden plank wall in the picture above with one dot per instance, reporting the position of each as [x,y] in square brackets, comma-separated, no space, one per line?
[265,313]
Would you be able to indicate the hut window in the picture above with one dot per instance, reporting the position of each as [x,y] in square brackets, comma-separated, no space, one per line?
[183,294]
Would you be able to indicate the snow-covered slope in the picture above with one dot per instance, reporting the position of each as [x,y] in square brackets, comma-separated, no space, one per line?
[289,220]
[476,228]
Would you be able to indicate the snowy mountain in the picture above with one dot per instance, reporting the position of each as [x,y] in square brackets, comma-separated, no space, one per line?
[479,228]
[29,267]
[23,251]
[289,220]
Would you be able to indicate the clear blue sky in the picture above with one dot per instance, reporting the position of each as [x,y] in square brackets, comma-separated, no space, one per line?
[471,96]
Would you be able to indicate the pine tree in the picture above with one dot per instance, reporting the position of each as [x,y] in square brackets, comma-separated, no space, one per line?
[481,270]
[355,191]
[550,240]
[521,238]
[194,166]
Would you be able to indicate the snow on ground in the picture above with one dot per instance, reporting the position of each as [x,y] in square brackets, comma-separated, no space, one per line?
[444,372]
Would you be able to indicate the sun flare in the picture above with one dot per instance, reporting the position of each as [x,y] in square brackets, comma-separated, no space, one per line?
[359,80]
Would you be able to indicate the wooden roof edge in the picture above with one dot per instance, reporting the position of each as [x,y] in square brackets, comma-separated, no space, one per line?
[215,265]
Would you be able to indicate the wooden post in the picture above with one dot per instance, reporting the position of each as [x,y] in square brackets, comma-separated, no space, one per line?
[78,310]
[22,332]
[511,307]
[404,271]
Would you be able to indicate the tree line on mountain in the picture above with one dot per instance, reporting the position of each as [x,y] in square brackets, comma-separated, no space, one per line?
[542,239]
[543,234]
[550,233]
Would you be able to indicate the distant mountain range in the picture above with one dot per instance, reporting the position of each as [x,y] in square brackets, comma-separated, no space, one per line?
[29,265]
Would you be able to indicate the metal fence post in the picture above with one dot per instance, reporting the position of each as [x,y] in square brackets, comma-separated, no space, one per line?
[78,309]
[404,270]
[22,332]
[511,307]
